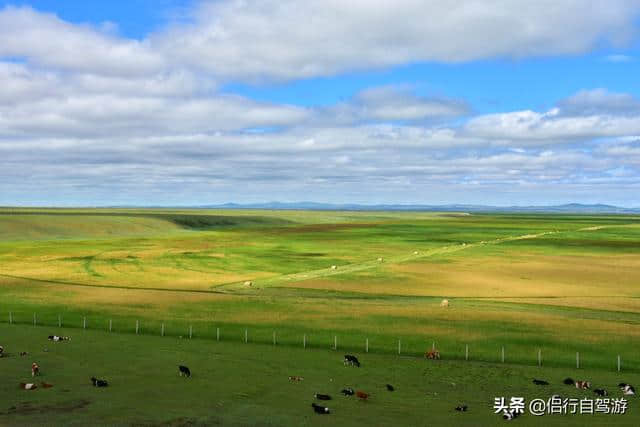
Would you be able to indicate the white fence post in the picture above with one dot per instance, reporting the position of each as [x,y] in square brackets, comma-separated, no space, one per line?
[503,354]
[59,321]
[304,341]
[84,323]
[399,347]
[34,319]
[162,330]
[366,347]
[577,360]
[274,337]
[335,342]
[137,326]
[110,325]
[539,357]
[190,331]
[433,345]
[466,352]
[217,334]
[618,363]
[246,336]
[10,318]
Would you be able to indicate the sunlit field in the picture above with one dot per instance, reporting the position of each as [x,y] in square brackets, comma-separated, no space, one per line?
[547,286]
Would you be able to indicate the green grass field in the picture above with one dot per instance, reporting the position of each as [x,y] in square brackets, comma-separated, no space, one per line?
[558,284]
[247,384]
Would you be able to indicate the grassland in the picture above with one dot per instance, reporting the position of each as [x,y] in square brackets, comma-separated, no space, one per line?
[559,283]
[244,384]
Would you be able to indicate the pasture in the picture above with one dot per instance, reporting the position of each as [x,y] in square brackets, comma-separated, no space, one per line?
[247,384]
[558,284]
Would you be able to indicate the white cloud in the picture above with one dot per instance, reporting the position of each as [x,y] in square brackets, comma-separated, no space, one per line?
[288,39]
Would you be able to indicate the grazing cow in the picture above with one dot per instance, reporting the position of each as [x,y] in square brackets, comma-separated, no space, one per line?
[99,383]
[183,370]
[322,396]
[569,381]
[295,378]
[461,408]
[627,389]
[45,385]
[390,387]
[35,369]
[57,338]
[347,391]
[540,382]
[362,395]
[320,409]
[28,386]
[350,359]
[1,351]
[583,385]
[334,267]
[601,392]
[24,353]
[444,303]
[510,414]
[432,354]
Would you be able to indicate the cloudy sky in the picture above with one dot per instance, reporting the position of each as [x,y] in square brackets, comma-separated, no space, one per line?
[176,102]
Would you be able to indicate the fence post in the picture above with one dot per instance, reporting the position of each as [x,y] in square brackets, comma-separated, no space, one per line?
[246,336]
[577,360]
[466,352]
[539,357]
[162,330]
[10,318]
[217,334]
[618,363]
[503,354]
[433,345]
[335,342]
[399,347]
[34,319]
[110,325]
[304,341]
[366,347]
[190,331]
[137,326]
[84,323]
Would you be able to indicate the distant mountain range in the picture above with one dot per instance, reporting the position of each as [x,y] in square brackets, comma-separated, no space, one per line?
[567,208]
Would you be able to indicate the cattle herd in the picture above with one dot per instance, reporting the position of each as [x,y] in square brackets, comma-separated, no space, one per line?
[349,360]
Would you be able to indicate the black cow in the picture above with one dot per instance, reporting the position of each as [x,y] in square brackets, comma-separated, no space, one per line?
[601,392]
[183,370]
[99,383]
[569,381]
[540,382]
[322,396]
[347,391]
[350,359]
[320,409]
[390,387]
[461,408]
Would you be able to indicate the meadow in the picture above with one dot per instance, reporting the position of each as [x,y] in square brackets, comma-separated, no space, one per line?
[554,284]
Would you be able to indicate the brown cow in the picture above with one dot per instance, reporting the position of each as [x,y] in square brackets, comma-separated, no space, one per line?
[362,395]
[432,354]
[35,369]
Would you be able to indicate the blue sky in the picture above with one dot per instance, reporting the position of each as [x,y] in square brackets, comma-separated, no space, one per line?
[196,102]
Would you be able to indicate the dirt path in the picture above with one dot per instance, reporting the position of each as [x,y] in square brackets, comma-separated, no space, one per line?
[367,265]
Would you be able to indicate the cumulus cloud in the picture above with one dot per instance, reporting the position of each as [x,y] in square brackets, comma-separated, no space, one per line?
[276,39]
[88,116]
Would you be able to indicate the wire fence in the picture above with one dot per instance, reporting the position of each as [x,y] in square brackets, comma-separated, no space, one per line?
[349,342]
